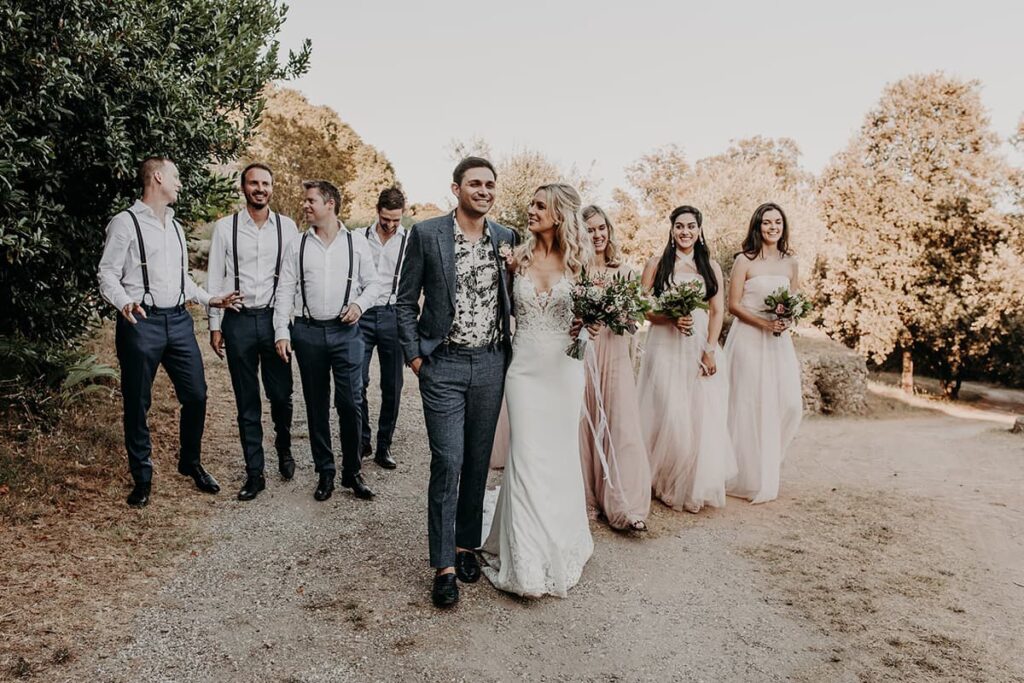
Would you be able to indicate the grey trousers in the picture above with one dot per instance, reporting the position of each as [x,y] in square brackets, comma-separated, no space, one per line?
[461,391]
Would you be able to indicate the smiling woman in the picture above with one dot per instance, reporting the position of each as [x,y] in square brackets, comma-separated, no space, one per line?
[765,402]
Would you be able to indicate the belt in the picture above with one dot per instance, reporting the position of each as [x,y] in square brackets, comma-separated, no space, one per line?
[157,310]
[464,349]
[247,310]
[312,322]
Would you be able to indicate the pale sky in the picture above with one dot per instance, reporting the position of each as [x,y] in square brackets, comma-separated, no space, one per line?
[606,82]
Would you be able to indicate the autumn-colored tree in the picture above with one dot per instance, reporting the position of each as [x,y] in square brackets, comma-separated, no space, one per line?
[727,188]
[519,175]
[301,141]
[923,248]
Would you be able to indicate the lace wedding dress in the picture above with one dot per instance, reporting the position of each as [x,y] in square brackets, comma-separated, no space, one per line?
[540,537]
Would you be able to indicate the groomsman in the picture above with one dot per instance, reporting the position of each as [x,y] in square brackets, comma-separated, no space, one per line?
[387,239]
[143,273]
[328,279]
[245,256]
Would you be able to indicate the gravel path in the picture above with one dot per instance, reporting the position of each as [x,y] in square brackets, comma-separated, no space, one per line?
[288,589]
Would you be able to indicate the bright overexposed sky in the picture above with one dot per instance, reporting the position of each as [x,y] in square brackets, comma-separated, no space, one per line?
[606,82]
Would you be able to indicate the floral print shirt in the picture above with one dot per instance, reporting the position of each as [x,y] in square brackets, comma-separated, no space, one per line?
[476,291]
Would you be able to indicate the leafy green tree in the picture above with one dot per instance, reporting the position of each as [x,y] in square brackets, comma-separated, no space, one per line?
[923,247]
[87,89]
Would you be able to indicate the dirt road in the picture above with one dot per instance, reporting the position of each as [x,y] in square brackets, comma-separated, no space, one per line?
[895,553]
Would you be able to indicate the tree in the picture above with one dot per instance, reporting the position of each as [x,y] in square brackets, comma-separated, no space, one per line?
[301,141]
[726,188]
[913,207]
[89,88]
[519,175]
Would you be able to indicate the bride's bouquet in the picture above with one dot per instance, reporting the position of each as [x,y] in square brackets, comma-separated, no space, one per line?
[617,302]
[679,301]
[786,306]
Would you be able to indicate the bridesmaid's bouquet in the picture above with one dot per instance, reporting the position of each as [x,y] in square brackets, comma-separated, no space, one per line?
[679,301]
[786,306]
[617,302]
[625,305]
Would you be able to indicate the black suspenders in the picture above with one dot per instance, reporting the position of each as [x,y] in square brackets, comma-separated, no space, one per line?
[302,274]
[302,271]
[145,266]
[398,266]
[277,263]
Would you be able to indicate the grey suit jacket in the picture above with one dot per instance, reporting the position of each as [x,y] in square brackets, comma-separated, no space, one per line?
[429,268]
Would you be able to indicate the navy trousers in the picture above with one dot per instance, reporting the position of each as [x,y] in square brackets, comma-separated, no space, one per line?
[249,344]
[327,350]
[379,326]
[165,337]
[461,390]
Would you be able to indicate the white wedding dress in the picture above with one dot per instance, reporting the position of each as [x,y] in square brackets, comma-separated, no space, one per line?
[540,536]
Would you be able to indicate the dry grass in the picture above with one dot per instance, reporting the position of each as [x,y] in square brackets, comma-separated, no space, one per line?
[76,559]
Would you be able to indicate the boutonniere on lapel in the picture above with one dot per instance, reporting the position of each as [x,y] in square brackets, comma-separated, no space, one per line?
[506,252]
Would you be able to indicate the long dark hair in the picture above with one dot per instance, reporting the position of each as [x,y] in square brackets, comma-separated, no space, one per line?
[701,257]
[753,242]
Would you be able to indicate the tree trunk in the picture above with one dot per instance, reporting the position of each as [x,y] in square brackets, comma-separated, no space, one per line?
[907,381]
[951,388]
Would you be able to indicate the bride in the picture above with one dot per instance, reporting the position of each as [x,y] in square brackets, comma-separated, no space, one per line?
[540,537]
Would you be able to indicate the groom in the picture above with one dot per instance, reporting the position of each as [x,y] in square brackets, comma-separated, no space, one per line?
[458,347]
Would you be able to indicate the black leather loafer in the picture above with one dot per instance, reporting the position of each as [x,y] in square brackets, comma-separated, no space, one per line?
[325,487]
[286,465]
[254,483]
[467,568]
[358,486]
[446,590]
[203,479]
[384,459]
[139,497]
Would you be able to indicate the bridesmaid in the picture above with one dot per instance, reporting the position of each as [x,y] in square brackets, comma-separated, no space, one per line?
[766,402]
[622,495]
[683,390]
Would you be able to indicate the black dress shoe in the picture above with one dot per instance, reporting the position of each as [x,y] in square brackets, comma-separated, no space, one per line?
[365,451]
[139,497]
[358,486]
[466,566]
[325,487]
[384,459]
[254,483]
[203,479]
[286,466]
[446,590]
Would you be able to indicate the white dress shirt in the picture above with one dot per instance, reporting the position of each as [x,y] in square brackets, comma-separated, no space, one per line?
[120,269]
[326,275]
[257,259]
[385,257]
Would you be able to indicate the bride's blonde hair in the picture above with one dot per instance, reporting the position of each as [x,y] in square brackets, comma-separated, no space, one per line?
[570,240]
